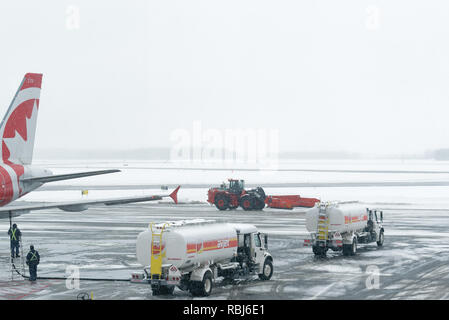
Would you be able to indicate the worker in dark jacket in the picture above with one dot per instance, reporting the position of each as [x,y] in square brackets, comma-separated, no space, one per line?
[33,259]
[14,235]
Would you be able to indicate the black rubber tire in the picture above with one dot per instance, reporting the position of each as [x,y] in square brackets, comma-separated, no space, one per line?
[259,204]
[346,249]
[247,202]
[261,192]
[380,243]
[267,276]
[202,288]
[163,290]
[319,251]
[354,247]
[221,202]
[206,285]
[193,288]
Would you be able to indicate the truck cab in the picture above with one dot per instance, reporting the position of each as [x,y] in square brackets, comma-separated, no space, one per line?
[374,229]
[252,253]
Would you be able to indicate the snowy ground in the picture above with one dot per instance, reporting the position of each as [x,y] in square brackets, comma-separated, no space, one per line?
[413,264]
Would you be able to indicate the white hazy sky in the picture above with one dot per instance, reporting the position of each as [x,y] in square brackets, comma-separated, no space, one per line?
[358,76]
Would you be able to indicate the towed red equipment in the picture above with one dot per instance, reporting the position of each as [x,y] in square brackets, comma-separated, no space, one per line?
[233,195]
[290,201]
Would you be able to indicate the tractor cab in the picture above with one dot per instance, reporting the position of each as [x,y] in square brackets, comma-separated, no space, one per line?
[236,186]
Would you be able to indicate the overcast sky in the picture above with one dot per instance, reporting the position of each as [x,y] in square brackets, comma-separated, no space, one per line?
[357,76]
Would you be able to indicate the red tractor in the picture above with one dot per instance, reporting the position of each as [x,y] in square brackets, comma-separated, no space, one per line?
[233,194]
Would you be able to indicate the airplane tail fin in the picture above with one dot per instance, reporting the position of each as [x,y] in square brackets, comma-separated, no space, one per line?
[18,127]
[174,195]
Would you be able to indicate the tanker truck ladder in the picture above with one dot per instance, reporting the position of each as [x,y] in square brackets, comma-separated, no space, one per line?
[156,252]
[322,225]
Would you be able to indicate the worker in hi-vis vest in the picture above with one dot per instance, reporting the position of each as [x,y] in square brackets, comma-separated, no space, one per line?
[14,235]
[33,259]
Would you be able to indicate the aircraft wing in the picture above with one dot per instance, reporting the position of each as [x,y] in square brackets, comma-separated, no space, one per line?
[59,177]
[76,206]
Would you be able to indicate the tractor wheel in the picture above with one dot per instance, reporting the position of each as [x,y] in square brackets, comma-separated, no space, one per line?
[258,204]
[261,192]
[247,202]
[221,202]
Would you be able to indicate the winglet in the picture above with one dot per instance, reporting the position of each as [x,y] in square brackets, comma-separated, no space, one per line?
[174,195]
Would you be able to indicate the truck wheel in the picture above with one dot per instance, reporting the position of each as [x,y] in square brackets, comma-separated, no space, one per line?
[319,251]
[202,288]
[346,249]
[354,247]
[246,202]
[380,243]
[206,285]
[221,202]
[267,271]
[163,290]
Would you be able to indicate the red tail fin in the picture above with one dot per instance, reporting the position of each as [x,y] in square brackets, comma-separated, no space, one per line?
[17,130]
[174,195]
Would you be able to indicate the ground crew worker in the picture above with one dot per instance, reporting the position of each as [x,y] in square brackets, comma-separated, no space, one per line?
[33,259]
[14,235]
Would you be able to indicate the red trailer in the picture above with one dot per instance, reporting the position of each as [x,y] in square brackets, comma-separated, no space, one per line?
[290,201]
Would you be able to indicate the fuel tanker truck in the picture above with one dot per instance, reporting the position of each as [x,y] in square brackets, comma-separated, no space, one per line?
[193,254]
[341,227]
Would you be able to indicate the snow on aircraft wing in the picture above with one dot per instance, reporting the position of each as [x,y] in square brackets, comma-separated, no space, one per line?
[76,206]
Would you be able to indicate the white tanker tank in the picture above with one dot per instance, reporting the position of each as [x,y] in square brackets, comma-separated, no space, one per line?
[342,218]
[191,254]
[188,243]
[341,226]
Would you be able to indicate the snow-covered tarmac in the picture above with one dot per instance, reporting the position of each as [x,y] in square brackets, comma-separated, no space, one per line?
[413,264]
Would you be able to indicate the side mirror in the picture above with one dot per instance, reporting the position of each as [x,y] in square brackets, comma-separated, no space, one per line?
[265,238]
[382,216]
